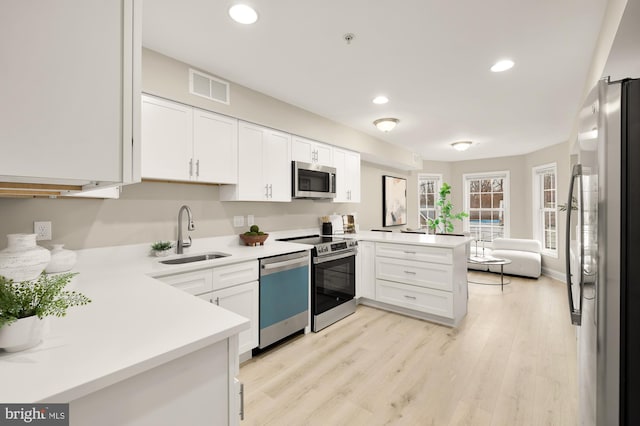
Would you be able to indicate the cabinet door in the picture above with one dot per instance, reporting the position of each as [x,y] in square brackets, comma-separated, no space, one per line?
[340,163]
[215,147]
[242,300]
[68,75]
[353,176]
[277,164]
[324,154]
[167,139]
[302,149]
[250,187]
[366,280]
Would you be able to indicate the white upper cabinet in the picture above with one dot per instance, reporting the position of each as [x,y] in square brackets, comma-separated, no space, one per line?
[183,143]
[309,151]
[70,91]
[264,165]
[167,139]
[347,164]
[215,147]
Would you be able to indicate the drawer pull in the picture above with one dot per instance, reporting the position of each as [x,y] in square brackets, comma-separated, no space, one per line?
[410,272]
[410,252]
[410,297]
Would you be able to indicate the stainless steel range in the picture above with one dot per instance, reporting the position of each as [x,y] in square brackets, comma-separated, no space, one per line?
[333,278]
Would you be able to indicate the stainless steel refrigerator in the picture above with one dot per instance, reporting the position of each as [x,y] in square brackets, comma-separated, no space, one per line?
[603,254]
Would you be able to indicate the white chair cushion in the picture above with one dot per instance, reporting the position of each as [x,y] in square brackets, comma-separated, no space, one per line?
[517,244]
[524,263]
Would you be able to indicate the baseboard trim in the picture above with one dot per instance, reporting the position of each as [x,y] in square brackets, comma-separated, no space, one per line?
[556,275]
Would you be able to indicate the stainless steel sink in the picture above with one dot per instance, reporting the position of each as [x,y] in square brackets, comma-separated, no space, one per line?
[196,258]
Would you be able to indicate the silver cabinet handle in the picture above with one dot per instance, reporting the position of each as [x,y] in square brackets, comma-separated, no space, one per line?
[198,168]
[410,297]
[410,272]
[266,191]
[241,401]
[217,302]
[409,252]
[191,167]
[270,191]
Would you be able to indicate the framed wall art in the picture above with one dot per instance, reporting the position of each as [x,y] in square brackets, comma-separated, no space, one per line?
[394,201]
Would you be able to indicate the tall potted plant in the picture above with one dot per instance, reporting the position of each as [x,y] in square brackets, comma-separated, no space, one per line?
[444,222]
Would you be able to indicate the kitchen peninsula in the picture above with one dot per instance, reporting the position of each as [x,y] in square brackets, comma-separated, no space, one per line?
[142,351]
[420,275]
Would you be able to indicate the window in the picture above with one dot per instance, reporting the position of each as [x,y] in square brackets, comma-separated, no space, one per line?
[486,201]
[545,211]
[428,189]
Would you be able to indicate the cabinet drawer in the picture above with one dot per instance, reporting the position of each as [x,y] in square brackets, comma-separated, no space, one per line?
[421,253]
[238,273]
[421,299]
[423,274]
[197,282]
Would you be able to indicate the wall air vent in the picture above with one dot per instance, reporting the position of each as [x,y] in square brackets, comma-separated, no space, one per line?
[208,87]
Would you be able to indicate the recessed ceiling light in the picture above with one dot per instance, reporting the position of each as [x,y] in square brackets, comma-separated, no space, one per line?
[502,65]
[386,124]
[379,100]
[243,14]
[461,145]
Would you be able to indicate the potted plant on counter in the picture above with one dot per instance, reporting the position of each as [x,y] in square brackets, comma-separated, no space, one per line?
[161,248]
[444,222]
[254,236]
[24,305]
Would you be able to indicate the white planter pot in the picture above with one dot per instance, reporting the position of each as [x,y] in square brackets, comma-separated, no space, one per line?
[23,259]
[22,334]
[62,260]
[162,253]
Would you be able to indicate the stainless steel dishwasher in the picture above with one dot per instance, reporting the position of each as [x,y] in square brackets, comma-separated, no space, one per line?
[284,296]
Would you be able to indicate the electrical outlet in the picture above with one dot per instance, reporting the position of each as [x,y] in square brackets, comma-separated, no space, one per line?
[250,220]
[238,221]
[42,231]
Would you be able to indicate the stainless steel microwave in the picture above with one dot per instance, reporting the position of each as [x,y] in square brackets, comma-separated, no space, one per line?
[312,180]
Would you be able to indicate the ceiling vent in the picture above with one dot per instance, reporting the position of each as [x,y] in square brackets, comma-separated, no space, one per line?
[208,87]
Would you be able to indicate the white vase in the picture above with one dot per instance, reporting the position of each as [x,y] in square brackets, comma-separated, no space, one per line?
[23,334]
[23,259]
[162,253]
[62,260]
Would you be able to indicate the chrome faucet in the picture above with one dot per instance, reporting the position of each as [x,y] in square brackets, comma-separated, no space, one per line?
[190,227]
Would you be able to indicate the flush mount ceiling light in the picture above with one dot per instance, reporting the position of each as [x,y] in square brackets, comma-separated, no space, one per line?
[243,14]
[503,65]
[386,124]
[461,145]
[380,100]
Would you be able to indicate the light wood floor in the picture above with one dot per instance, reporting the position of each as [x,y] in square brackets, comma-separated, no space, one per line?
[511,362]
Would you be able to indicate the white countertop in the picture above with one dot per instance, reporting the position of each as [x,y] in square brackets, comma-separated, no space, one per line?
[447,241]
[134,322]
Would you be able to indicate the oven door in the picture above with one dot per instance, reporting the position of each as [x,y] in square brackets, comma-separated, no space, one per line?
[334,281]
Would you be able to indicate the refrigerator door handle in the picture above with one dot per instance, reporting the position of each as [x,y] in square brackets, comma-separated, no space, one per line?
[576,314]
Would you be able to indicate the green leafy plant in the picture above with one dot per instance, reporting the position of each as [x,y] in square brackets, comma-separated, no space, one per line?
[444,222]
[42,297]
[254,230]
[161,245]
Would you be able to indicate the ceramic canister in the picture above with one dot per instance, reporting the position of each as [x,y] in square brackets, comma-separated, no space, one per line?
[62,260]
[23,259]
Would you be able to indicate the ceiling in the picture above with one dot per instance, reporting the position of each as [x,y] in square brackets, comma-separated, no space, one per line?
[430,57]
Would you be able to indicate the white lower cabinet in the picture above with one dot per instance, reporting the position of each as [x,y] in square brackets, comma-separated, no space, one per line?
[233,287]
[366,270]
[243,300]
[419,280]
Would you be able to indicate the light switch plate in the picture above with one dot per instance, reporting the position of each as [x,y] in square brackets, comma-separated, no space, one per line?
[238,221]
[42,231]
[250,220]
